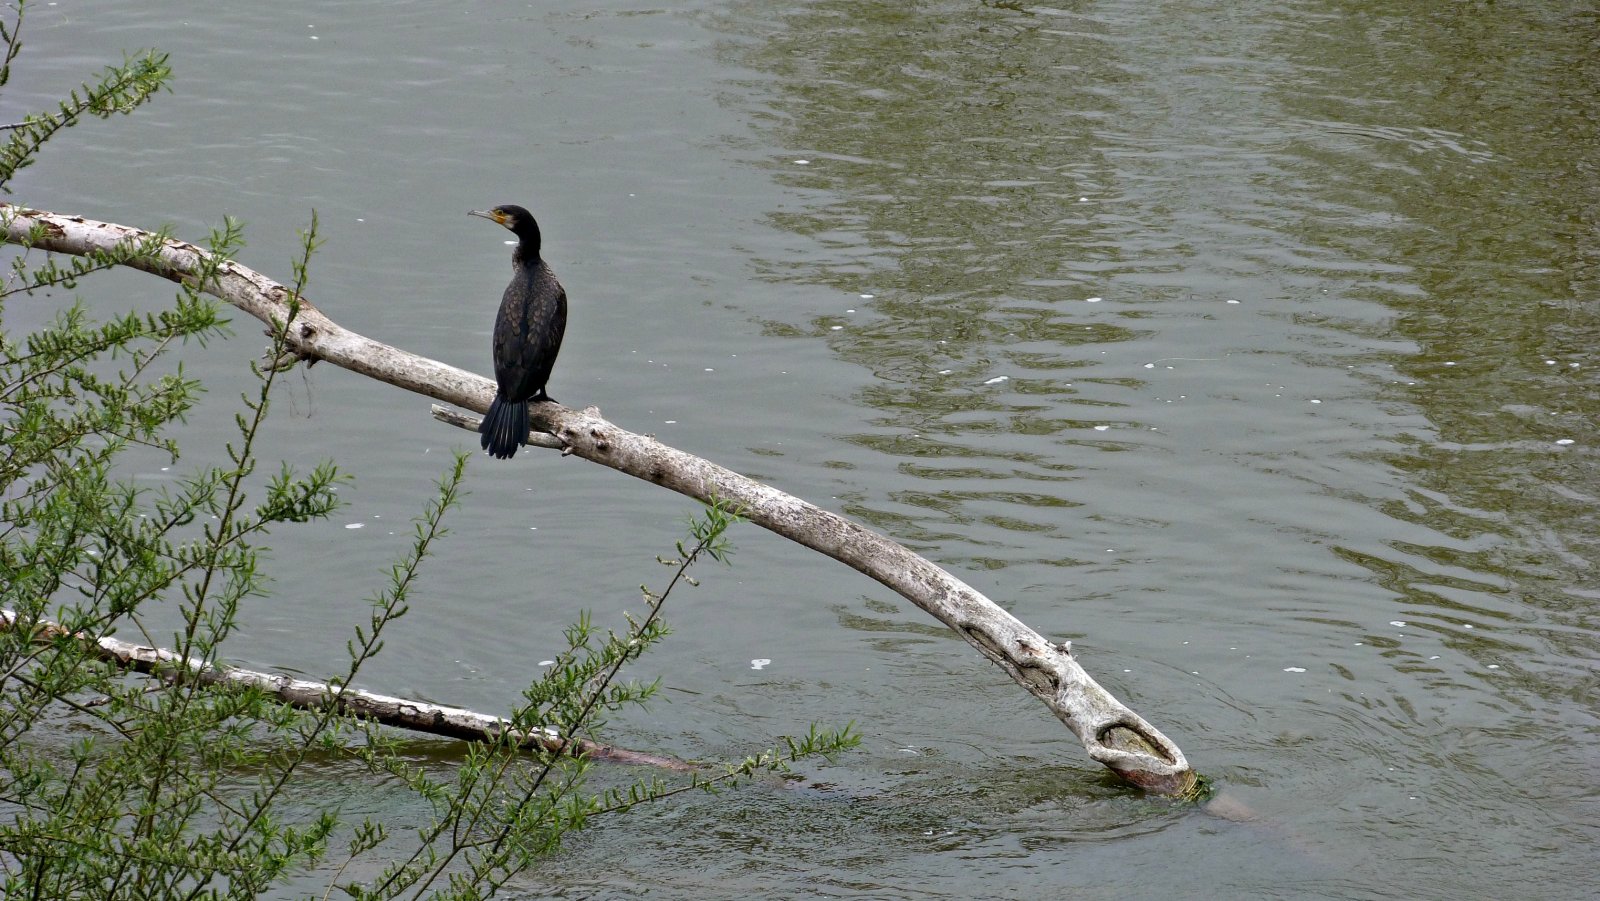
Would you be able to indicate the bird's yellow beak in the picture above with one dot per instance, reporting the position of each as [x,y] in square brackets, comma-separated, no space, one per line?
[494,216]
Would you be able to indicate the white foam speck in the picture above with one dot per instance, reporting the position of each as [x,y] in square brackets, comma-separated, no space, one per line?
[1399,623]
[1294,669]
[1101,428]
[1494,666]
[1093,299]
[1450,363]
[802,162]
[870,296]
[1316,401]
[354,525]
[670,421]
[1233,301]
[1083,200]
[709,369]
[547,663]
[837,327]
[760,662]
[997,380]
[1466,625]
[1563,441]
[946,371]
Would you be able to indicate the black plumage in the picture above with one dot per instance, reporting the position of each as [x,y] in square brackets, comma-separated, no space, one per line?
[527,334]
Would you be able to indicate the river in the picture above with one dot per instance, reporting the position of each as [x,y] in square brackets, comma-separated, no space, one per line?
[1248,345]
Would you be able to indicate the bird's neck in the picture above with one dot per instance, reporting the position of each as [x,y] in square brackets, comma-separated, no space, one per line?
[527,252]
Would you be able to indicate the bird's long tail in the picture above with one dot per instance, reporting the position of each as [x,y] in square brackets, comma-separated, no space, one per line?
[504,427]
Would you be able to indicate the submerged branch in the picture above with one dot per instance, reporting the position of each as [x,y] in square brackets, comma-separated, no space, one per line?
[402,713]
[1110,732]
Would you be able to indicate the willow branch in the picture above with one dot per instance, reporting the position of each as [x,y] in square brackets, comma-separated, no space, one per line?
[1109,731]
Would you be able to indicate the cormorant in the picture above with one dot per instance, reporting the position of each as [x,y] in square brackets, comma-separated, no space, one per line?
[527,334]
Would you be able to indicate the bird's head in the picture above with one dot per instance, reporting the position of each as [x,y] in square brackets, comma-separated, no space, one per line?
[518,220]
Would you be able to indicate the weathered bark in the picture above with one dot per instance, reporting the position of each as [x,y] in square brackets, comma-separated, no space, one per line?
[1110,732]
[404,713]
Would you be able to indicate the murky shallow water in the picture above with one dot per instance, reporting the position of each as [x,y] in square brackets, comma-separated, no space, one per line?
[1250,346]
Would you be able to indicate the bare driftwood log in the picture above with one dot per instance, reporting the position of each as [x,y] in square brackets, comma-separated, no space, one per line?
[1110,732]
[416,716]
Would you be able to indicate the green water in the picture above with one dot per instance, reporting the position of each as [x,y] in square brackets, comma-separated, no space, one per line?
[1248,345]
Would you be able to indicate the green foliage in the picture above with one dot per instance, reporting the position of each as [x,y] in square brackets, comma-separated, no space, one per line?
[175,791]
[114,785]
[114,789]
[505,806]
[119,89]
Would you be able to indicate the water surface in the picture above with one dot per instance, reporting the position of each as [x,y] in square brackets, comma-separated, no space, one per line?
[1248,345]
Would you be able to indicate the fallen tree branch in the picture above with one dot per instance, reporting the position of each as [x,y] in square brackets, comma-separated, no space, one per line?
[403,713]
[1110,732]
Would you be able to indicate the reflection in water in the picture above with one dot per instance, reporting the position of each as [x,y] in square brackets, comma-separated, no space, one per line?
[1502,237]
[1498,216]
[1345,263]
[953,185]
[1477,129]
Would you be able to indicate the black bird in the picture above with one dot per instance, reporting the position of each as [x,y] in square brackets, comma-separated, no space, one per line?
[527,334]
